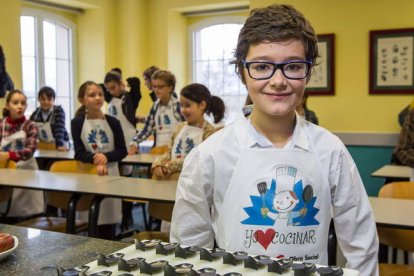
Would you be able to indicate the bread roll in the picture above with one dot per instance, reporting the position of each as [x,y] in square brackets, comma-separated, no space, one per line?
[6,242]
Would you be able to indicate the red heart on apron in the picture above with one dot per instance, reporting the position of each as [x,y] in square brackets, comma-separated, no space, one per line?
[94,146]
[264,238]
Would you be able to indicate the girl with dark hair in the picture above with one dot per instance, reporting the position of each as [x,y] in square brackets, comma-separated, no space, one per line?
[122,104]
[195,101]
[98,139]
[18,142]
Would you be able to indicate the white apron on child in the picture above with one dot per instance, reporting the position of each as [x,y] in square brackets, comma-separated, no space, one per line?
[129,130]
[115,109]
[165,123]
[25,202]
[186,140]
[45,130]
[98,137]
[276,179]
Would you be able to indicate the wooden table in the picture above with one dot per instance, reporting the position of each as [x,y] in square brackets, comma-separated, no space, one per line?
[100,186]
[54,155]
[393,212]
[393,171]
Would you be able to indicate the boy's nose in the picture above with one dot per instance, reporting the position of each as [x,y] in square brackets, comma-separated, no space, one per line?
[278,78]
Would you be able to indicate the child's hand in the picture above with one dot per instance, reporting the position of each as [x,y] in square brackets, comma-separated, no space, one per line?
[102,169]
[100,159]
[133,150]
[160,172]
[62,148]
[4,156]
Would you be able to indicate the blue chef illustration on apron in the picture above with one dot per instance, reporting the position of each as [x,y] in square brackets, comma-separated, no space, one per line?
[97,137]
[277,204]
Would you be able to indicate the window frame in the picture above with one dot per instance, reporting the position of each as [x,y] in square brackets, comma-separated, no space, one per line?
[39,17]
[205,23]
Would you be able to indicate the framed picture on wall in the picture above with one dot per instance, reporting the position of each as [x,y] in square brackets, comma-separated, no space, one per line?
[391,61]
[322,81]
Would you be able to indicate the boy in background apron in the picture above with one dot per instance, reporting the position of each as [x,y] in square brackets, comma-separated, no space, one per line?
[164,114]
[18,142]
[50,120]
[98,139]
[271,183]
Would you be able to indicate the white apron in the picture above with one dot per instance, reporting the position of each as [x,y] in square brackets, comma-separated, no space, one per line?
[165,123]
[129,130]
[186,140]
[98,137]
[45,130]
[25,202]
[261,210]
[115,109]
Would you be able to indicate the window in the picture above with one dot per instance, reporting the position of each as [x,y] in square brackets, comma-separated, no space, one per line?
[213,48]
[46,44]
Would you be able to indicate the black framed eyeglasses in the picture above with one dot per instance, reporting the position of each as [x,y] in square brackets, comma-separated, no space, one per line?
[293,69]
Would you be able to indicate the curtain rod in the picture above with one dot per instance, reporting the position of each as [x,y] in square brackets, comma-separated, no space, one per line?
[212,11]
[55,5]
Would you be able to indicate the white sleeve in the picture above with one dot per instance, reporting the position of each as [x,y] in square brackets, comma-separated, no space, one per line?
[353,217]
[191,222]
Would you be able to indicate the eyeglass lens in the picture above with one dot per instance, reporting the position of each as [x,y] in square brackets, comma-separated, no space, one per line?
[264,70]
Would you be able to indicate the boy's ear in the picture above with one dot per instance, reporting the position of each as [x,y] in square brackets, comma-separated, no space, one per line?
[203,105]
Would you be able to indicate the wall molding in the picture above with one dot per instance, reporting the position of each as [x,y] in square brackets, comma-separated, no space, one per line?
[368,138]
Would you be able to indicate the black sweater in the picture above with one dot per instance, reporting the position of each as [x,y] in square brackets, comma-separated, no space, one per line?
[85,156]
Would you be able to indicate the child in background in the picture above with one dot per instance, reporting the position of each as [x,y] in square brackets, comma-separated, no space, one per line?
[50,119]
[274,174]
[123,105]
[195,101]
[147,80]
[6,83]
[18,142]
[98,139]
[163,116]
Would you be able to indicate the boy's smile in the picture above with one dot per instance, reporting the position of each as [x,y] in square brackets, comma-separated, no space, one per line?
[278,95]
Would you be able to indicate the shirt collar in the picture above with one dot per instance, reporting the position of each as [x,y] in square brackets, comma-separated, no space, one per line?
[299,138]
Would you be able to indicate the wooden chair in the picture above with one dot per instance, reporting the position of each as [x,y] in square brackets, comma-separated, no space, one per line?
[6,193]
[142,203]
[160,211]
[46,146]
[69,202]
[397,238]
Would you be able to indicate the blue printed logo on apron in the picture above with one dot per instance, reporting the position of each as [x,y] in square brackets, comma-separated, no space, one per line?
[183,150]
[282,205]
[113,111]
[97,135]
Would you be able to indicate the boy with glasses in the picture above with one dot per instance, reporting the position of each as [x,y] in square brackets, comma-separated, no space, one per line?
[271,184]
[163,116]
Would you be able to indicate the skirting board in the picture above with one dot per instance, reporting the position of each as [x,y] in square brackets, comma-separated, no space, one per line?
[368,139]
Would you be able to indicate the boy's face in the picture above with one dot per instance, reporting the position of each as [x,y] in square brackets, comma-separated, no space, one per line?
[115,88]
[45,102]
[162,90]
[278,95]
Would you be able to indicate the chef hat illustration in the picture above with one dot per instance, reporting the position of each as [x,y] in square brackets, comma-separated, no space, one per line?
[285,178]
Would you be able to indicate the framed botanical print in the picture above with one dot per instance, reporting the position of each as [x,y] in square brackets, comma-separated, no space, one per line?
[322,81]
[391,61]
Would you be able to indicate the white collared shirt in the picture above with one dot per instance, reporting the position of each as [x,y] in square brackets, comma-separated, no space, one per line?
[209,167]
